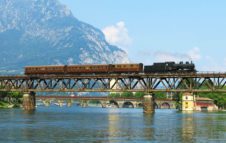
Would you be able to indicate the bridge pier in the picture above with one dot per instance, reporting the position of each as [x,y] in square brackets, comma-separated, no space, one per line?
[69,103]
[46,102]
[148,103]
[103,104]
[84,103]
[29,101]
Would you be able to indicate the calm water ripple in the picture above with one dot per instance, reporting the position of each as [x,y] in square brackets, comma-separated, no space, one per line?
[75,124]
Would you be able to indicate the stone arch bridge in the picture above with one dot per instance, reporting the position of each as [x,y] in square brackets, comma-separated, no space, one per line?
[107,101]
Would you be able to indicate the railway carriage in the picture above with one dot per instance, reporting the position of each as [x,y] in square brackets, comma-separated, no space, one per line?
[126,68]
[86,69]
[30,70]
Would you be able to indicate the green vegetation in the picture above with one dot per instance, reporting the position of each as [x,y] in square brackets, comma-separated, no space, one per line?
[127,95]
[94,102]
[114,95]
[218,98]
[10,99]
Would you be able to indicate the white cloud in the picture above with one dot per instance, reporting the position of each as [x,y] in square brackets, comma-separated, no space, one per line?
[194,54]
[213,65]
[70,61]
[191,55]
[118,35]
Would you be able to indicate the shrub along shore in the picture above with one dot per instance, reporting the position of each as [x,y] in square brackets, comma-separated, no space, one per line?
[10,99]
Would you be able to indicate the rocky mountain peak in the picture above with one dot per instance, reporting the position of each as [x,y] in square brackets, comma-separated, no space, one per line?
[43,32]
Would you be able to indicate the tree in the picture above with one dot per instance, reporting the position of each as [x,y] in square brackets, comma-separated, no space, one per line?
[114,95]
[139,94]
[127,94]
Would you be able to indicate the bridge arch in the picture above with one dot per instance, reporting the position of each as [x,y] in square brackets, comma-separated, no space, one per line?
[156,106]
[140,105]
[114,103]
[96,103]
[165,105]
[127,104]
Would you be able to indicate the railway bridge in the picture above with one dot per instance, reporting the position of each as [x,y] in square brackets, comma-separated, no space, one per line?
[187,83]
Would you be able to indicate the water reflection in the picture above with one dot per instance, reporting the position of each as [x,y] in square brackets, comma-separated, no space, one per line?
[148,126]
[29,112]
[76,124]
[188,127]
[113,125]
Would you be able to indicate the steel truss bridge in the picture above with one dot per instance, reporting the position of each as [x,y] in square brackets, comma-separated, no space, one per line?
[179,82]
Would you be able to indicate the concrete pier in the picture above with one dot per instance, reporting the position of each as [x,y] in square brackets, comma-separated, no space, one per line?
[84,103]
[29,101]
[148,103]
[69,103]
[103,104]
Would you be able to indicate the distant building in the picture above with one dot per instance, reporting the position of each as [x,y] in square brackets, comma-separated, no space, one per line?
[192,103]
[205,104]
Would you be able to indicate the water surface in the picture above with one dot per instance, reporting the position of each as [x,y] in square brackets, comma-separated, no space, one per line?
[75,124]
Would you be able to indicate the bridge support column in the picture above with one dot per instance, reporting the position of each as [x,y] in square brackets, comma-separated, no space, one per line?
[69,103]
[84,103]
[103,104]
[29,101]
[188,102]
[46,102]
[148,104]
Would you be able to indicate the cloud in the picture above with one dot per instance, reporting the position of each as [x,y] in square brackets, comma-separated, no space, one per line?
[70,61]
[191,55]
[213,65]
[118,35]
[194,54]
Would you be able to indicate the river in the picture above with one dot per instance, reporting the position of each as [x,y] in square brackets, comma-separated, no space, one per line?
[75,124]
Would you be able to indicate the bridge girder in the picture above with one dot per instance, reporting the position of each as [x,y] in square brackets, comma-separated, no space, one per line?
[201,82]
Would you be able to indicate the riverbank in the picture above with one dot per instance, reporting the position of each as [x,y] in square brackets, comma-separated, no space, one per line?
[7,105]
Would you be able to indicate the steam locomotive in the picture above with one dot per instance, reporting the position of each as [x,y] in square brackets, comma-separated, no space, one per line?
[166,67]
[170,67]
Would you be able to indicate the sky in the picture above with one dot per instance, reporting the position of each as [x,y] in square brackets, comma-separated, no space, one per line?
[161,30]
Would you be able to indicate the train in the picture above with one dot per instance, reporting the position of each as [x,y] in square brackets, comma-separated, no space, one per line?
[170,67]
[164,67]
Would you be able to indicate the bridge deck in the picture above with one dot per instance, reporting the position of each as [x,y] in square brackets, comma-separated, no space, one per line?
[177,82]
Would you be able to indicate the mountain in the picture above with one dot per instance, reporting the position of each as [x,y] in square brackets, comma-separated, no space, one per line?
[45,32]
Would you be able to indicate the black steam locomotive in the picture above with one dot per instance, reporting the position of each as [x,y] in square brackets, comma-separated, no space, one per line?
[170,67]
